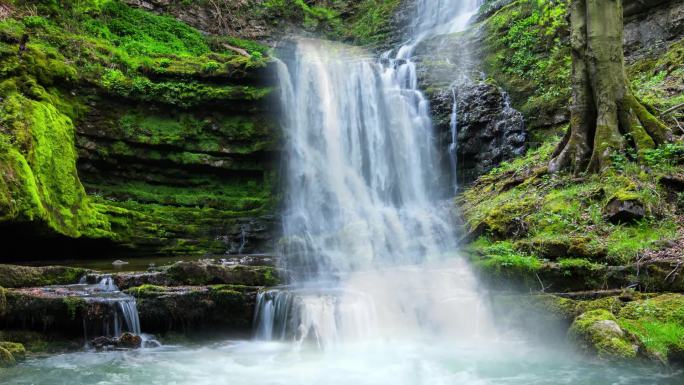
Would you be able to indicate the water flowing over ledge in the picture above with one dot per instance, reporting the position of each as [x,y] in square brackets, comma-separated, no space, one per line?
[362,223]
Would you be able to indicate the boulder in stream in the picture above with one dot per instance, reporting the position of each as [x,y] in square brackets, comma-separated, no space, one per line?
[125,341]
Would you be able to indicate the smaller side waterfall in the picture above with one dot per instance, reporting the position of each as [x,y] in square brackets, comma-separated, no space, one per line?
[453,146]
[118,311]
[111,311]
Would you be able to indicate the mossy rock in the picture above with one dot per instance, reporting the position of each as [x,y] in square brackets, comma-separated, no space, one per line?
[598,332]
[6,358]
[561,247]
[666,307]
[201,273]
[658,323]
[18,351]
[195,309]
[13,276]
[146,290]
[44,312]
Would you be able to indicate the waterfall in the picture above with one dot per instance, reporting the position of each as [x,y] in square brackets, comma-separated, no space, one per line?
[362,224]
[120,310]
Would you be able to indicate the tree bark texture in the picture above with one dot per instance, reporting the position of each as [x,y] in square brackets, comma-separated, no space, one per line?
[605,117]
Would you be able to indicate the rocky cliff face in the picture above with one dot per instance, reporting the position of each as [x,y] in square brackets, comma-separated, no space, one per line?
[652,27]
[489,131]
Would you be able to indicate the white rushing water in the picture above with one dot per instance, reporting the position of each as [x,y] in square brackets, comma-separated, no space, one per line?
[365,239]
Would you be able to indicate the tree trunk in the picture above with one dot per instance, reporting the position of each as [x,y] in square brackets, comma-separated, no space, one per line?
[605,117]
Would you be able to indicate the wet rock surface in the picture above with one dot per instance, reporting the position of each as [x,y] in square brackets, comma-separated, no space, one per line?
[125,341]
[186,297]
[196,309]
[488,130]
[22,276]
[255,270]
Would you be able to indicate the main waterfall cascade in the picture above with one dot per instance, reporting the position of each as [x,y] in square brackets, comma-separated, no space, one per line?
[364,237]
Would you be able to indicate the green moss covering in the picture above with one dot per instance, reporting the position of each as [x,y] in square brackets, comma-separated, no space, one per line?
[38,174]
[598,330]
[6,358]
[78,50]
[199,273]
[13,276]
[366,22]
[656,79]
[39,343]
[501,258]
[559,216]
[614,326]
[372,25]
[16,349]
[146,291]
[658,323]
[75,306]
[177,93]
[527,52]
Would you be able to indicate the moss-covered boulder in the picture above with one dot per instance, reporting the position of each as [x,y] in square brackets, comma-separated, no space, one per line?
[57,311]
[612,324]
[18,351]
[562,247]
[598,331]
[6,358]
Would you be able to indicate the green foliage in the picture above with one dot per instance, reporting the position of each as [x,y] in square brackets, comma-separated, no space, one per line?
[658,323]
[140,33]
[659,338]
[503,258]
[366,22]
[372,25]
[236,197]
[656,79]
[16,349]
[667,158]
[6,358]
[146,290]
[313,18]
[527,52]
